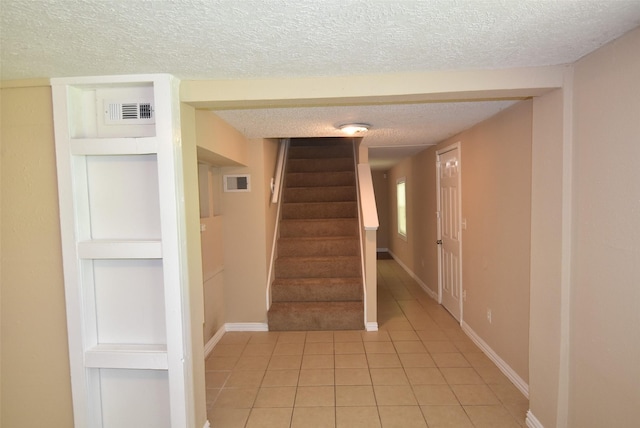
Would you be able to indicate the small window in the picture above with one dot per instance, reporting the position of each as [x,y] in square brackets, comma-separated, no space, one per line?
[401,197]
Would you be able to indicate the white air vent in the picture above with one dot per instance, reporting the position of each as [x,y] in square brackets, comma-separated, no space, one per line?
[237,183]
[131,113]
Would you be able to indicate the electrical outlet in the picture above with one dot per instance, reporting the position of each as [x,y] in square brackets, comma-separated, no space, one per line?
[489,315]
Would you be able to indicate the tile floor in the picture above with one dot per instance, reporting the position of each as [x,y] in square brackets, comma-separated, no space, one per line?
[418,370]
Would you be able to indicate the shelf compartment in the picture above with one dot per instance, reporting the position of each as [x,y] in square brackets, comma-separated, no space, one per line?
[113,146]
[117,356]
[114,249]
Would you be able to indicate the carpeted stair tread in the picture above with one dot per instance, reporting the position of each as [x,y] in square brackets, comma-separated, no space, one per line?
[319,246]
[320,165]
[318,267]
[320,194]
[306,179]
[319,210]
[316,289]
[318,227]
[316,316]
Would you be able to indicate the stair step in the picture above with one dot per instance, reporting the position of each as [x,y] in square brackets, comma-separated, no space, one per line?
[319,246]
[318,267]
[320,210]
[308,179]
[320,165]
[287,316]
[320,194]
[321,151]
[316,289]
[295,228]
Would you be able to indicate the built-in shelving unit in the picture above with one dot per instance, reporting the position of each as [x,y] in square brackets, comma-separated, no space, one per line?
[118,167]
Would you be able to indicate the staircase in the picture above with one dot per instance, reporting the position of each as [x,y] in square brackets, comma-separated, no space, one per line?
[318,273]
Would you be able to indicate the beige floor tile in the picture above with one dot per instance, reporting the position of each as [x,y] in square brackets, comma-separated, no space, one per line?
[434,395]
[216,379]
[313,417]
[314,396]
[403,335]
[235,338]
[245,378]
[264,337]
[292,337]
[478,359]
[228,418]
[388,377]
[355,395]
[280,378]
[508,393]
[220,363]
[318,348]
[269,418]
[450,359]
[379,348]
[416,360]
[383,360]
[424,376]
[279,396]
[287,348]
[227,350]
[401,417]
[318,362]
[461,376]
[357,417]
[490,417]
[466,346]
[440,346]
[453,330]
[353,377]
[236,398]
[396,324]
[316,377]
[492,375]
[351,361]
[285,362]
[475,395]
[518,410]
[434,334]
[348,348]
[319,336]
[415,347]
[211,394]
[259,349]
[375,336]
[446,417]
[249,362]
[347,336]
[394,395]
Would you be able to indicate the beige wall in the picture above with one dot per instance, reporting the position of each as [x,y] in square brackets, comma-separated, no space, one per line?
[381,191]
[35,356]
[496,202]
[605,291]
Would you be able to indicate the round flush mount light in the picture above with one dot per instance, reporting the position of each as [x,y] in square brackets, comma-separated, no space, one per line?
[354,128]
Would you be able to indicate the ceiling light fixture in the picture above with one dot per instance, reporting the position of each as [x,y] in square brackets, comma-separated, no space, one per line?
[354,128]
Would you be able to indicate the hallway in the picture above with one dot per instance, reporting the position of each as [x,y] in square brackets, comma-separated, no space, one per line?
[418,370]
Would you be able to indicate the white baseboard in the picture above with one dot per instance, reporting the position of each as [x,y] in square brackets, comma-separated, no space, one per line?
[246,326]
[532,421]
[382,250]
[206,425]
[371,326]
[502,365]
[424,286]
[211,343]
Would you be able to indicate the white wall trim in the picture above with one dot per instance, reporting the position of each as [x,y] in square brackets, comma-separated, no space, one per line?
[493,356]
[532,421]
[382,250]
[246,326]
[206,425]
[371,326]
[211,343]
[424,286]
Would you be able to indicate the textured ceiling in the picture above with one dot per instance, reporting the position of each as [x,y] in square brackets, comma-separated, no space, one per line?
[242,39]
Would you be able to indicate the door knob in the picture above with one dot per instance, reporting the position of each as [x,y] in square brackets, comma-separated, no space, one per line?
[439,242]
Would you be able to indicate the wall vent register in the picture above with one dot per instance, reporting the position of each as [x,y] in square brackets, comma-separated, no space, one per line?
[118,113]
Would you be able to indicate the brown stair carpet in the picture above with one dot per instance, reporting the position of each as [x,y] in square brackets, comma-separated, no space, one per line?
[318,275]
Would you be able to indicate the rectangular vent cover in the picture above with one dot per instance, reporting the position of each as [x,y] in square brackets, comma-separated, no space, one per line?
[132,113]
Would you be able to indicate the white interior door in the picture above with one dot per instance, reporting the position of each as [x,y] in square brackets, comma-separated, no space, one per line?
[449,239]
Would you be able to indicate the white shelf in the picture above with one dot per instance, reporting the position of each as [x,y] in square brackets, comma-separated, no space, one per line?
[116,356]
[117,249]
[113,146]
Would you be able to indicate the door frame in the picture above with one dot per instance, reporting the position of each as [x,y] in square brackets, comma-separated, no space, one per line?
[454,146]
